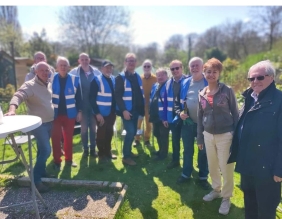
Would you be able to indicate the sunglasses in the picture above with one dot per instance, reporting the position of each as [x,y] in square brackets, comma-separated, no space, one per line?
[176,68]
[147,66]
[259,78]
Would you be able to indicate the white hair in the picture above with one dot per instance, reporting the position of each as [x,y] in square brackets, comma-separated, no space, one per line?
[61,58]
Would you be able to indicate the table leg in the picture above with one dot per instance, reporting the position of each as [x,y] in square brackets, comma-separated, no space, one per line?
[29,169]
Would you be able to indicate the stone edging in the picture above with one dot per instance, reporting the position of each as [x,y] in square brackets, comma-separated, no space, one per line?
[24,181]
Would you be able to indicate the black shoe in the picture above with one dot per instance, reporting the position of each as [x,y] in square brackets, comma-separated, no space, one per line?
[42,188]
[182,179]
[204,184]
[148,144]
[136,143]
[93,153]
[71,163]
[57,166]
[172,164]
[85,153]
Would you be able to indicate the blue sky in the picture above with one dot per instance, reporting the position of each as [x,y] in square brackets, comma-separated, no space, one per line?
[149,23]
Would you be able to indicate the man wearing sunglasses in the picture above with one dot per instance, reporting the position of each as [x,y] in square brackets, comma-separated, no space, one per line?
[171,109]
[130,103]
[148,79]
[257,143]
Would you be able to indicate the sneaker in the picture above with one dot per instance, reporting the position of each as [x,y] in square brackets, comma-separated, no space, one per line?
[93,153]
[182,180]
[148,144]
[172,164]
[136,143]
[85,153]
[211,196]
[204,184]
[129,161]
[71,163]
[57,166]
[42,188]
[224,206]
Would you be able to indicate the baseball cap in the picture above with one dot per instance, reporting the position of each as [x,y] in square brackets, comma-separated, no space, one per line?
[106,63]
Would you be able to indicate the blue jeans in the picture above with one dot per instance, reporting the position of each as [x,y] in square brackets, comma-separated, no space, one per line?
[176,135]
[42,135]
[88,121]
[130,127]
[188,133]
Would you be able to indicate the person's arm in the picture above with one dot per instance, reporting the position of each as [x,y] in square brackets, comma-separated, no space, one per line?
[93,96]
[233,107]
[200,127]
[78,99]
[23,93]
[119,90]
[277,168]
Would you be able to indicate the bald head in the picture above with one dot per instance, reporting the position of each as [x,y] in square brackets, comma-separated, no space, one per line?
[42,71]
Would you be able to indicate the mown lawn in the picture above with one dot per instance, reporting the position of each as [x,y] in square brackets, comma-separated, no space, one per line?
[152,189]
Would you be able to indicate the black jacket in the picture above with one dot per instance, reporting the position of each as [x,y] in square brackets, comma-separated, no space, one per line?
[258,152]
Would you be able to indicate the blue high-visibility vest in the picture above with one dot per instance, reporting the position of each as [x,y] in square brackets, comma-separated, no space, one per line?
[104,96]
[72,84]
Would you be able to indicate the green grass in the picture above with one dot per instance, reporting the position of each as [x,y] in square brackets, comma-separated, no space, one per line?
[152,189]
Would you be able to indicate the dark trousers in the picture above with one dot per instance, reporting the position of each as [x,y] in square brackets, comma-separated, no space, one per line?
[176,135]
[188,134]
[161,133]
[261,197]
[105,135]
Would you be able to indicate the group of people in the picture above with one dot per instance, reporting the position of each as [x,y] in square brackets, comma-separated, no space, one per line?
[193,107]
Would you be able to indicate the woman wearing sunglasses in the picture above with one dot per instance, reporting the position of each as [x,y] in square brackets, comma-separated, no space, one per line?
[217,119]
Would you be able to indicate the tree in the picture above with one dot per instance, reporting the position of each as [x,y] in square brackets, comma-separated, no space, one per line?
[10,30]
[215,53]
[175,41]
[40,43]
[269,20]
[93,28]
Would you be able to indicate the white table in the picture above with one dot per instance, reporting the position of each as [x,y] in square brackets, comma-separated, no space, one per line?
[25,124]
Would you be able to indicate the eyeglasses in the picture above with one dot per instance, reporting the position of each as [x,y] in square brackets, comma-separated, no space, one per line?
[176,68]
[147,66]
[259,78]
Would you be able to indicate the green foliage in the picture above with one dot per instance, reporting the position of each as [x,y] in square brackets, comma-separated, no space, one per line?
[215,53]
[8,92]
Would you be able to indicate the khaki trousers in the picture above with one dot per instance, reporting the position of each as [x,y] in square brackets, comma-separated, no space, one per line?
[218,148]
[148,129]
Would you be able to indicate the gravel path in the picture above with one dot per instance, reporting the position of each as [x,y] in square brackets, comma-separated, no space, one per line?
[62,204]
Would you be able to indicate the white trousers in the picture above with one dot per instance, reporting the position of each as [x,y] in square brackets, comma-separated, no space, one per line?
[218,150]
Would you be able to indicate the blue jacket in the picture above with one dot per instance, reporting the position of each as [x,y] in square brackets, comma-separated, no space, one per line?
[104,96]
[160,99]
[70,91]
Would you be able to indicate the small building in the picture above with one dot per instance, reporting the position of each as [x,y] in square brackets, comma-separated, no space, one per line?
[7,76]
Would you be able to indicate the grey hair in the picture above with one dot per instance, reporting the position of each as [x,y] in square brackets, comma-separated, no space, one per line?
[61,58]
[267,65]
[39,52]
[196,59]
[147,61]
[41,63]
[165,70]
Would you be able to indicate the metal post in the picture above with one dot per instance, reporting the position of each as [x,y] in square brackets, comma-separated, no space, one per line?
[14,68]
